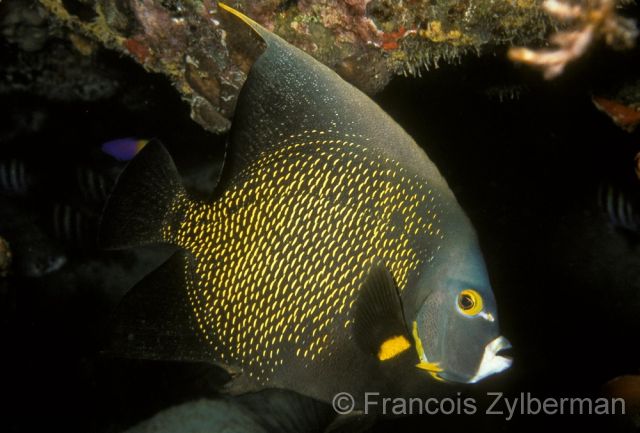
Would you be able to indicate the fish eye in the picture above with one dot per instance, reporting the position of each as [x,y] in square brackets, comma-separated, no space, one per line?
[470,302]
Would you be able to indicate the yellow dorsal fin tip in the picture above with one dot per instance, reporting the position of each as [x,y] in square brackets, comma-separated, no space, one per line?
[237,13]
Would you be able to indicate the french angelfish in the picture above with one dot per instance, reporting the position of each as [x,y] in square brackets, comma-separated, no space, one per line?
[333,257]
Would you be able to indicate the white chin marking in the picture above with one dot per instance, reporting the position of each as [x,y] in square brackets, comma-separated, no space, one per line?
[492,363]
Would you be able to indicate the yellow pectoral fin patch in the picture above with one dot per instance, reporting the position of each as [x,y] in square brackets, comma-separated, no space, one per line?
[392,347]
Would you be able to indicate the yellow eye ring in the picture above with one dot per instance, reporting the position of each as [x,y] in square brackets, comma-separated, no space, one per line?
[470,302]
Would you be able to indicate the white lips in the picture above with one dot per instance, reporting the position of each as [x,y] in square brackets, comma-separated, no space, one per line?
[492,363]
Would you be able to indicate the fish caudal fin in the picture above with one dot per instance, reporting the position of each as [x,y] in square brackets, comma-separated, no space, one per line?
[154,321]
[142,201]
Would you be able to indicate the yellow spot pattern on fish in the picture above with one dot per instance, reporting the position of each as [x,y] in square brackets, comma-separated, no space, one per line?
[281,255]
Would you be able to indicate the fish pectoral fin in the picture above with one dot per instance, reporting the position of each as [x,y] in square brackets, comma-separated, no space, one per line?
[379,324]
[154,321]
[429,366]
[433,368]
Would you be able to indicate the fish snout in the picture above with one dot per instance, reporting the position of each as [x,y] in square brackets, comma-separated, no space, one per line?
[493,360]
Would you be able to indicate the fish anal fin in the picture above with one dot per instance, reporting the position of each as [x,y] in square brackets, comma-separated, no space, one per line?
[154,320]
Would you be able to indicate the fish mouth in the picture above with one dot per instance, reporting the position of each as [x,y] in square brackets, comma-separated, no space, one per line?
[492,362]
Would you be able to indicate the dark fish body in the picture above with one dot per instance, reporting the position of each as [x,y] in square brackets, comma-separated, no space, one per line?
[331,236]
[289,244]
[268,411]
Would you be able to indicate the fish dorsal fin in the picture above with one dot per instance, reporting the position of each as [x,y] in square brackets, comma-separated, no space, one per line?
[257,28]
[289,98]
[244,40]
[140,205]
[154,321]
[379,324]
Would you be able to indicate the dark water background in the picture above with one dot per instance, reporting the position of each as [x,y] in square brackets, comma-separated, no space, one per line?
[525,169]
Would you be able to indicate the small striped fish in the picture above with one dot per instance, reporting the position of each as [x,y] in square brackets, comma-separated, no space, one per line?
[15,178]
[620,206]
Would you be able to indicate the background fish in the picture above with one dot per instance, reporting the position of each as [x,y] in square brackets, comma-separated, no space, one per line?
[620,206]
[76,227]
[123,149]
[16,179]
[269,411]
[50,209]
[94,186]
[334,257]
